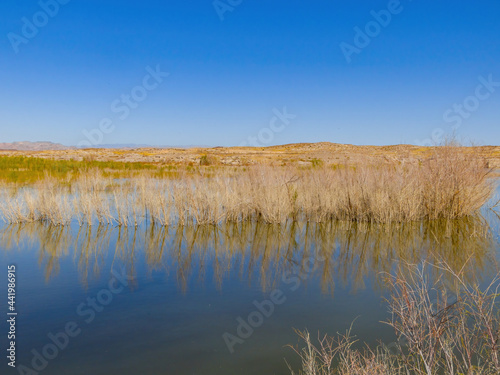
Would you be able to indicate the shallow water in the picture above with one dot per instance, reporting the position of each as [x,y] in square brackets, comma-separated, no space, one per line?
[177,293]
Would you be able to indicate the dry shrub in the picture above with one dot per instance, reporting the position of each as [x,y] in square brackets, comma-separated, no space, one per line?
[336,355]
[454,183]
[440,329]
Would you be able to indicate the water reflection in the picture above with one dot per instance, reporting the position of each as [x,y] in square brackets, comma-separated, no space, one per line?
[351,253]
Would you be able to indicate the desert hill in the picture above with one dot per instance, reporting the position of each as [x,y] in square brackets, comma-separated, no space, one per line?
[291,154]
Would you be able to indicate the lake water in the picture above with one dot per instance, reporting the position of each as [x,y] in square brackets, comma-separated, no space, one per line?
[152,300]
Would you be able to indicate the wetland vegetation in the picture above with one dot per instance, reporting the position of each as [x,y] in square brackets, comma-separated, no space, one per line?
[413,233]
[448,185]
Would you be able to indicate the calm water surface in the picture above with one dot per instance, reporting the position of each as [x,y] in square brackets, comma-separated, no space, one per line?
[179,292]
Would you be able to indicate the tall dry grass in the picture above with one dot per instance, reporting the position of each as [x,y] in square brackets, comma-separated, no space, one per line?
[452,184]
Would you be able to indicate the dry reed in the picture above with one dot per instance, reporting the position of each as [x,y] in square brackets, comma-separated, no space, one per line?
[450,185]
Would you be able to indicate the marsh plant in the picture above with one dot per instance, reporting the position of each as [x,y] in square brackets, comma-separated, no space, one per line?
[449,185]
[441,335]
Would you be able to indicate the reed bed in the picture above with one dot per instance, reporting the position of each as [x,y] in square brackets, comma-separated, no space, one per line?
[449,185]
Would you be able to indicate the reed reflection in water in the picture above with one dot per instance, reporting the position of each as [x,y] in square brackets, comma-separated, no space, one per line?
[353,253]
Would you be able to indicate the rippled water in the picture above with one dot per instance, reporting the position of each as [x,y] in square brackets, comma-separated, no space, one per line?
[169,300]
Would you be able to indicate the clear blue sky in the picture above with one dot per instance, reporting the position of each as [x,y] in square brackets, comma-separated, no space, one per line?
[228,77]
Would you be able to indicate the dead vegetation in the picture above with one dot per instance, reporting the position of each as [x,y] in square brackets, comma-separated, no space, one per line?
[449,185]
[440,329]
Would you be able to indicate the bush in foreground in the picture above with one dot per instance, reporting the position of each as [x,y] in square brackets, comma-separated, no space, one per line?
[441,329]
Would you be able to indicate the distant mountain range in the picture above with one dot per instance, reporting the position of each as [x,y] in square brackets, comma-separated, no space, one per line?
[33,146]
[43,146]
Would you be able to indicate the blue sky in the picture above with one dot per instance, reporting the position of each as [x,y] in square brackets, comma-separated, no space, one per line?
[229,77]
